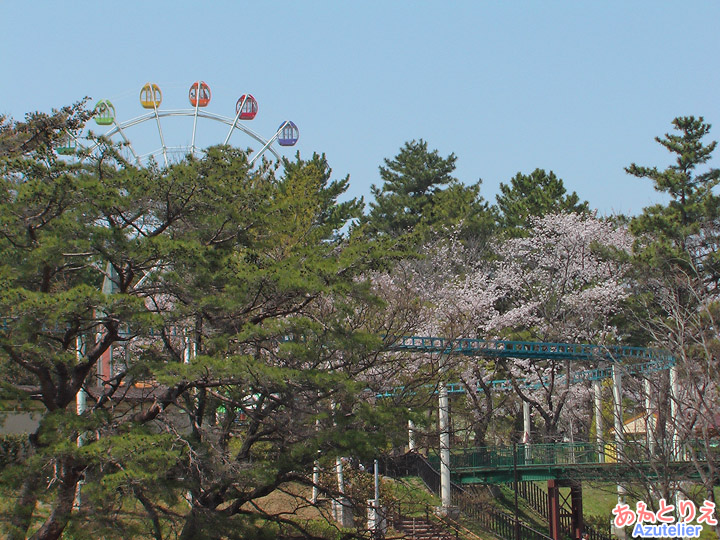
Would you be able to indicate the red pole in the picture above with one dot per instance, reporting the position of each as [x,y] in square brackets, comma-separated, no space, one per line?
[554,509]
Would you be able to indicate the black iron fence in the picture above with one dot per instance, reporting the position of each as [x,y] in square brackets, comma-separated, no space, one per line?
[484,515]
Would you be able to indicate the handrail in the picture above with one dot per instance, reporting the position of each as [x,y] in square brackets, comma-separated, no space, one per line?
[577,377]
[526,349]
[428,519]
[460,530]
[495,521]
[490,519]
[538,455]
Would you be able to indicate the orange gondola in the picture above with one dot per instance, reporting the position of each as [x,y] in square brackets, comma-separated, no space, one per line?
[199,94]
[249,107]
[150,96]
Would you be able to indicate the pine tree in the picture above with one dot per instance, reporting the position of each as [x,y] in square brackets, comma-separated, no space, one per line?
[241,305]
[530,196]
[420,195]
[674,302]
[692,201]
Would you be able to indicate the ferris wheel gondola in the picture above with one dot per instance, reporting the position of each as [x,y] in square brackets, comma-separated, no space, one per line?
[68,145]
[199,94]
[150,96]
[246,107]
[288,134]
[104,113]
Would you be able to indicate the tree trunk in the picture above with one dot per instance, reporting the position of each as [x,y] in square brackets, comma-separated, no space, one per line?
[190,528]
[54,526]
[152,513]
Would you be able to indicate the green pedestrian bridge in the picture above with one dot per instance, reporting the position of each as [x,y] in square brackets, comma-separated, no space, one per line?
[566,461]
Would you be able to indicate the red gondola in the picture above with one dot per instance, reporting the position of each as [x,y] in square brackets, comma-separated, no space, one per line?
[199,94]
[289,134]
[249,108]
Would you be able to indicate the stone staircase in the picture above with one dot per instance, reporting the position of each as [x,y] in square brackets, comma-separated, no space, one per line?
[415,528]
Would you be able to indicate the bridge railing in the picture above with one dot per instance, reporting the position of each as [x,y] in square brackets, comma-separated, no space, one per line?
[526,349]
[524,455]
[540,454]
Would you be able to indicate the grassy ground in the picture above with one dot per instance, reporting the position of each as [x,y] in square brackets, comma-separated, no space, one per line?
[599,499]
[506,502]
[414,498]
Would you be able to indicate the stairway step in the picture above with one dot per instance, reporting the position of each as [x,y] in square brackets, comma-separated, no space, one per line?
[420,529]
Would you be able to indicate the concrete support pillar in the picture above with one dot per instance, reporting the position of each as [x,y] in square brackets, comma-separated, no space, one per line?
[342,511]
[189,350]
[316,472]
[650,422]
[527,430]
[81,407]
[341,506]
[81,398]
[619,532]
[316,482]
[597,390]
[618,412]
[444,425]
[527,427]
[674,416]
[104,365]
[411,435]
[619,428]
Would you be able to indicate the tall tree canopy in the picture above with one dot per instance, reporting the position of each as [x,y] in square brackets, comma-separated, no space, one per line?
[675,294]
[240,325]
[530,196]
[692,201]
[419,194]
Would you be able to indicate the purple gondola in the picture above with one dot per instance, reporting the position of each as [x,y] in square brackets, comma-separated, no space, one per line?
[289,134]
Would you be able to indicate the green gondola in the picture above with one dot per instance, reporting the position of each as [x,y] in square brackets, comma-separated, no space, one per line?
[104,113]
[67,146]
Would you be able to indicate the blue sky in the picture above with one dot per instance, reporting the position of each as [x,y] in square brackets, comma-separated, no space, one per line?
[580,88]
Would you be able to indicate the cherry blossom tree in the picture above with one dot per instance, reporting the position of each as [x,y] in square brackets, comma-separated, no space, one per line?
[562,283]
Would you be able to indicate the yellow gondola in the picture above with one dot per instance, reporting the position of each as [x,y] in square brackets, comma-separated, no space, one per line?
[150,96]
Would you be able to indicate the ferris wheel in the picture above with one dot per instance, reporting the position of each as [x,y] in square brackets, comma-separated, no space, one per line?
[199,97]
